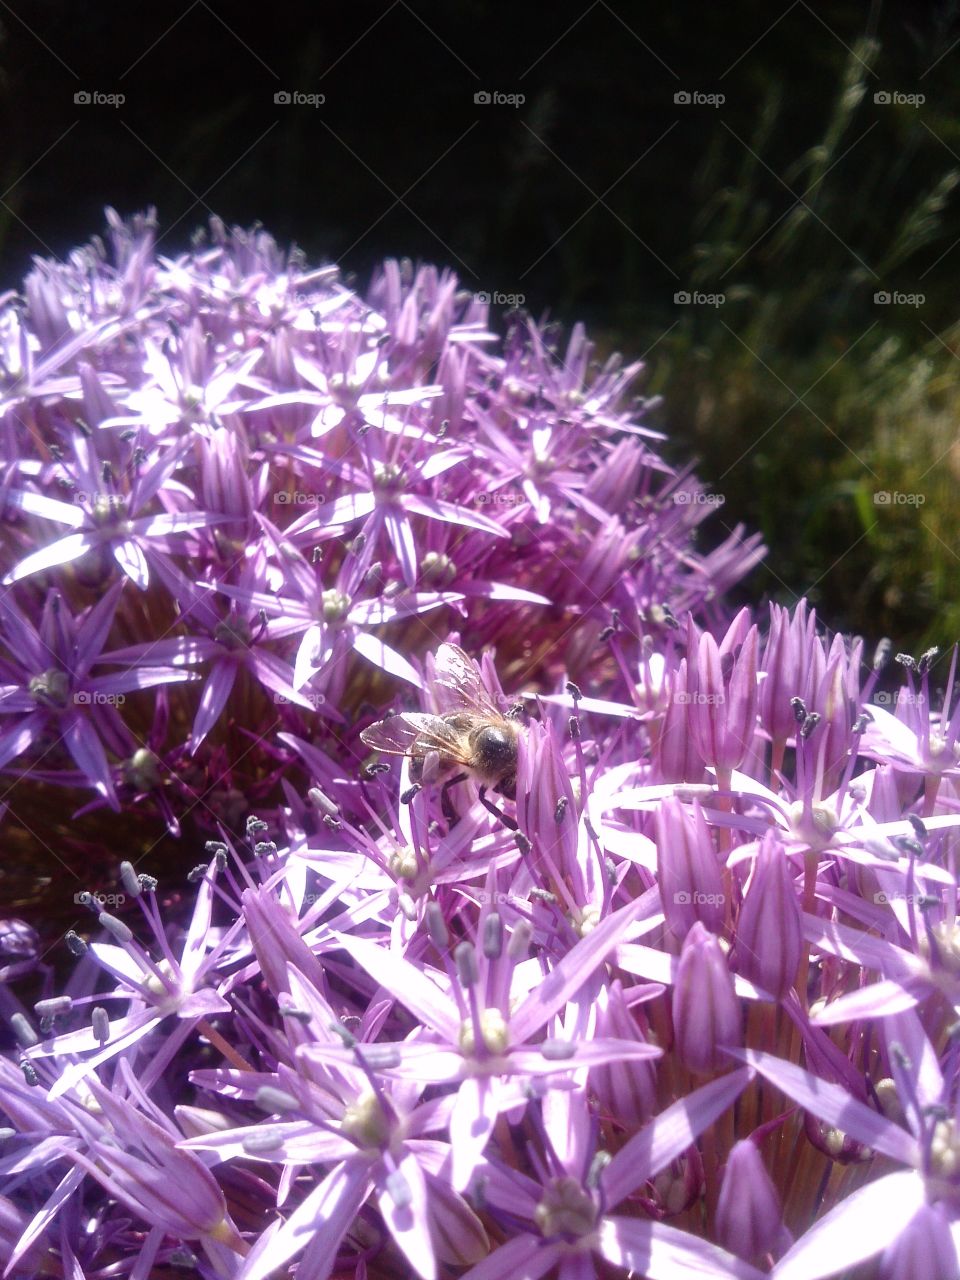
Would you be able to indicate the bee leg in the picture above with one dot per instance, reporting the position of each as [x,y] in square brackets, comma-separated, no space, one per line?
[407,796]
[449,812]
[509,823]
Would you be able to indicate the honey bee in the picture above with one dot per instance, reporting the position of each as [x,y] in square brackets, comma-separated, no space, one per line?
[473,739]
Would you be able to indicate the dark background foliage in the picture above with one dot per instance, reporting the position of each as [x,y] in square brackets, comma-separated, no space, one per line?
[798,198]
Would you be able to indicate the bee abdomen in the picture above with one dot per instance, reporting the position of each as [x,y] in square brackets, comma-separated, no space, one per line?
[494,753]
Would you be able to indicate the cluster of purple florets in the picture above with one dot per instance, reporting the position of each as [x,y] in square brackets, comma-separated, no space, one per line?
[684,1008]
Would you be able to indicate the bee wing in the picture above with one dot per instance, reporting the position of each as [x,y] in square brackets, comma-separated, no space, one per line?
[415,733]
[459,675]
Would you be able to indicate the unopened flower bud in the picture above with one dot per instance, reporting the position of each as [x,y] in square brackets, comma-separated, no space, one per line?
[706,1014]
[749,1221]
[627,1090]
[723,711]
[769,941]
[688,869]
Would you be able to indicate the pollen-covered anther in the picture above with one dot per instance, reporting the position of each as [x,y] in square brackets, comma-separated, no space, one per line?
[334,605]
[154,984]
[942,754]
[344,389]
[437,567]
[942,945]
[493,1029]
[403,864]
[142,770]
[566,1209]
[106,508]
[52,689]
[589,919]
[945,1149]
[673,1191]
[817,828]
[366,1122]
[387,476]
[541,465]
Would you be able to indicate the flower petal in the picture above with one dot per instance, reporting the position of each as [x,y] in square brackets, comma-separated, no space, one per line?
[858,1228]
[659,1252]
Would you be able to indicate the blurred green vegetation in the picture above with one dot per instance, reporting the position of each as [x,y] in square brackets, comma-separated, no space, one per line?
[827,418]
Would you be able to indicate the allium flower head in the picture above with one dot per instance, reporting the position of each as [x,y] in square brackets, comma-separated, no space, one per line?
[676,997]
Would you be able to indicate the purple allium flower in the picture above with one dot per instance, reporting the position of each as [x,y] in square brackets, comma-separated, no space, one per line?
[49,685]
